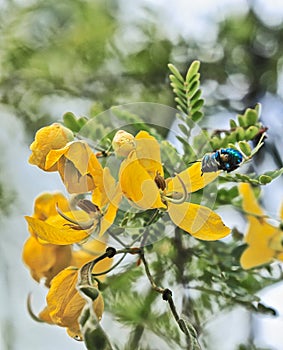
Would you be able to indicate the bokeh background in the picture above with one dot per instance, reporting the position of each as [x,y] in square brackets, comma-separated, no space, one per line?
[86,56]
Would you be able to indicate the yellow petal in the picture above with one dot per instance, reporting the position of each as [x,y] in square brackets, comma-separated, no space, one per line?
[65,304]
[64,301]
[78,152]
[44,315]
[192,179]
[53,156]
[72,178]
[137,185]
[201,222]
[61,235]
[148,153]
[45,205]
[105,190]
[250,203]
[259,237]
[253,256]
[78,166]
[45,260]
[108,219]
[259,232]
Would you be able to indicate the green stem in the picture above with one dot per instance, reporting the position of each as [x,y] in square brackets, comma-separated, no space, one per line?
[149,276]
[111,268]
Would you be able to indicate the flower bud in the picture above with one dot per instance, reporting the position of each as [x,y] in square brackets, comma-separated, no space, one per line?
[48,138]
[123,143]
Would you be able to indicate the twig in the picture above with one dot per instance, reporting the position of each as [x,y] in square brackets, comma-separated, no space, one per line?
[111,268]
[186,327]
[116,238]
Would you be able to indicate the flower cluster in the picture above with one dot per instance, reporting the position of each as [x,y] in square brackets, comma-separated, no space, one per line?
[58,266]
[95,196]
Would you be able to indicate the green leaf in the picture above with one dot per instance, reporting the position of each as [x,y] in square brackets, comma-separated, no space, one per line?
[215,142]
[251,117]
[192,89]
[175,71]
[183,128]
[245,148]
[274,173]
[194,68]
[197,116]
[70,121]
[233,124]
[264,179]
[251,132]
[195,97]
[197,105]
[242,121]
[181,104]
[240,133]
[175,82]
[82,121]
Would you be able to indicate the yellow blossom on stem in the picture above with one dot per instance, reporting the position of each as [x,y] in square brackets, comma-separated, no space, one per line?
[142,181]
[46,260]
[48,138]
[74,226]
[264,240]
[123,143]
[65,304]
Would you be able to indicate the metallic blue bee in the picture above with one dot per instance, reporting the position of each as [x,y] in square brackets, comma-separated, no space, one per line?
[227,159]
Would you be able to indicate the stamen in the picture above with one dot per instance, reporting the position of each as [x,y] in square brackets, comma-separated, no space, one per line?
[84,225]
[184,196]
[87,206]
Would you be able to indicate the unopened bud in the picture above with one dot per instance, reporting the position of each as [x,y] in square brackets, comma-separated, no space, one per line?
[123,143]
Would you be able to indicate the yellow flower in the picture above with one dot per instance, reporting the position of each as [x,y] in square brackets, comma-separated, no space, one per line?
[123,143]
[46,260]
[264,240]
[142,181]
[65,304]
[65,226]
[46,139]
[78,166]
